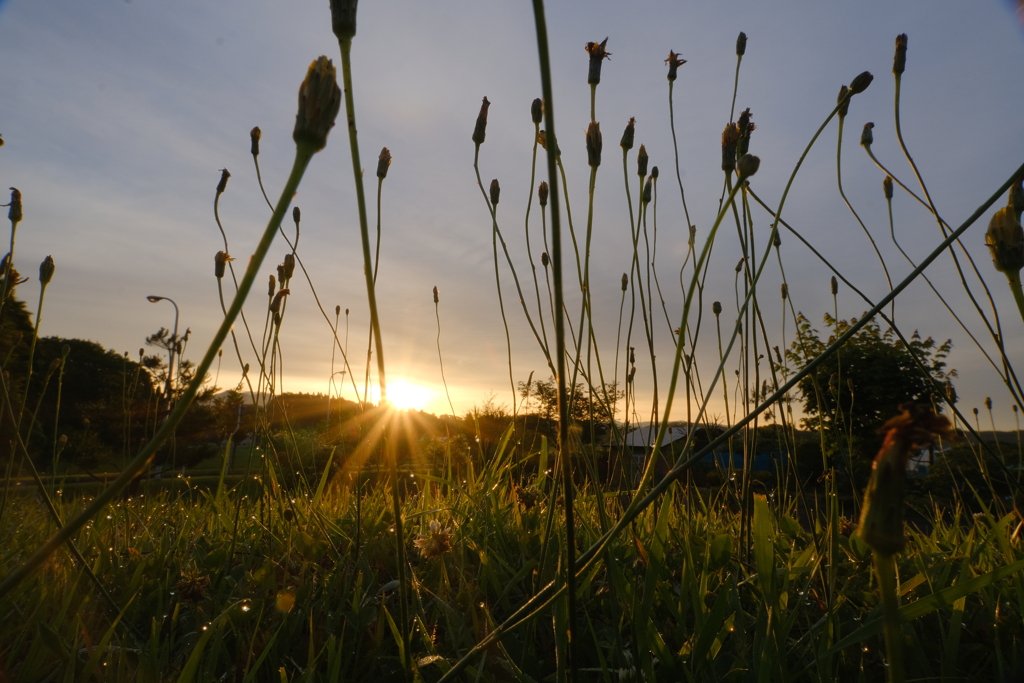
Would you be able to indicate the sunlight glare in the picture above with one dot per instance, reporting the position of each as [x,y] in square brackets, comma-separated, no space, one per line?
[406,395]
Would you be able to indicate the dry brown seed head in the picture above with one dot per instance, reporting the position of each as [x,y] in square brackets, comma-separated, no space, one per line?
[480,130]
[739,265]
[223,184]
[254,136]
[219,261]
[626,142]
[899,61]
[337,311]
[988,403]
[785,291]
[319,102]
[674,62]
[383,163]
[545,259]
[648,191]
[598,54]
[273,284]
[654,172]
[594,144]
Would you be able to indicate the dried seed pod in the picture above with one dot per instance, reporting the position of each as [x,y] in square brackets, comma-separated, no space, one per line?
[741,44]
[254,137]
[337,311]
[319,102]
[899,61]
[223,184]
[495,192]
[739,265]
[542,194]
[626,142]
[866,136]
[654,172]
[594,144]
[641,161]
[674,63]
[861,82]
[383,163]
[480,130]
[598,54]
[537,111]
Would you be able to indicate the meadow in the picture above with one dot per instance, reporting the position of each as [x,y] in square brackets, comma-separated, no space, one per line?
[307,538]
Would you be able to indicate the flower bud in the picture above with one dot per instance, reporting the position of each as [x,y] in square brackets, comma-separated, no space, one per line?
[289,266]
[674,63]
[223,184]
[785,291]
[899,61]
[46,269]
[598,54]
[747,165]
[542,194]
[866,136]
[296,216]
[843,101]
[480,130]
[861,82]
[343,18]
[626,142]
[1005,241]
[654,172]
[254,136]
[219,261]
[495,192]
[741,44]
[887,187]
[625,282]
[537,111]
[716,308]
[436,300]
[594,144]
[739,265]
[275,305]
[693,235]
[648,191]
[746,127]
[319,102]
[777,240]
[834,284]
[383,163]
[641,161]
[271,286]
[14,213]
[337,311]
[730,136]
[545,259]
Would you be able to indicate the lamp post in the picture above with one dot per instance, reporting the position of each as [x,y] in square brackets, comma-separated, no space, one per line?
[173,345]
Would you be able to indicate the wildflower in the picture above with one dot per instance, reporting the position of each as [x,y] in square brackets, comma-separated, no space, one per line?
[881,519]
[254,136]
[626,142]
[223,184]
[785,291]
[648,191]
[716,308]
[435,543]
[674,63]
[545,260]
[899,61]
[1005,240]
[598,54]
[319,102]
[480,130]
[625,282]
[594,144]
[289,266]
[270,288]
[296,215]
[383,163]
[834,283]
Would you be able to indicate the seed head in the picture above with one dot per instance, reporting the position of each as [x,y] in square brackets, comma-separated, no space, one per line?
[746,128]
[480,130]
[899,62]
[625,282]
[843,101]
[436,300]
[495,192]
[542,194]
[747,165]
[46,269]
[861,82]
[641,161]
[626,142]
[254,136]
[674,63]
[14,213]
[1005,241]
[343,18]
[319,101]
[594,144]
[383,163]
[887,187]
[435,543]
[537,111]
[866,136]
[741,44]
[730,136]
[598,54]
[223,184]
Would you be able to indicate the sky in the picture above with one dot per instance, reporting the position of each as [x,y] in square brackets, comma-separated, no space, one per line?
[118,116]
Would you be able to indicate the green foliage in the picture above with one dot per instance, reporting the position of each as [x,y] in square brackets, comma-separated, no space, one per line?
[856,390]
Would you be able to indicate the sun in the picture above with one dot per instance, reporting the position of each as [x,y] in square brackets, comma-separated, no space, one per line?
[406,395]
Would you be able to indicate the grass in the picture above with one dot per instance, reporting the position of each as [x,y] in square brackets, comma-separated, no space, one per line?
[521,561]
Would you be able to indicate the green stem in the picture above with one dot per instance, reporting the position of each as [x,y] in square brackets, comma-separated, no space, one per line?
[1018,293]
[885,570]
[303,155]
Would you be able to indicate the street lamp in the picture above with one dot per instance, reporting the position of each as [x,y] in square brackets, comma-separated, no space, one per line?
[173,344]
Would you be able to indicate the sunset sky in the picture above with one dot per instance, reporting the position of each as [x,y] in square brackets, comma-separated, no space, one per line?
[118,116]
